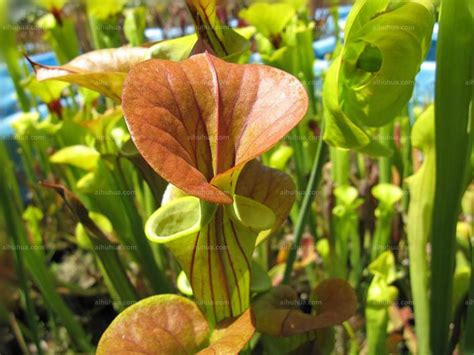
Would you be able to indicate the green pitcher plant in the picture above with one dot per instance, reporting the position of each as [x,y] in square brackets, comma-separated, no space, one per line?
[388,195]
[372,79]
[380,295]
[347,244]
[201,124]
[422,187]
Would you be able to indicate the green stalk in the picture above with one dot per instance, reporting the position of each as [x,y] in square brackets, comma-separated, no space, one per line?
[300,168]
[112,268]
[382,234]
[305,59]
[388,196]
[344,221]
[104,32]
[340,161]
[453,94]
[314,179]
[406,158]
[361,166]
[385,163]
[134,25]
[340,241]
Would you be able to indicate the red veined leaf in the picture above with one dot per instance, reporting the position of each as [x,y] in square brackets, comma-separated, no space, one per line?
[171,324]
[272,187]
[231,335]
[202,118]
[277,312]
[102,70]
[163,324]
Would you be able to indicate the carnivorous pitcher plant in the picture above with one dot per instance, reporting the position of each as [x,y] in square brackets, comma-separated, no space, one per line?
[201,124]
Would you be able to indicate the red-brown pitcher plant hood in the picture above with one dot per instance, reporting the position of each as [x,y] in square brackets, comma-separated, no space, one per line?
[196,121]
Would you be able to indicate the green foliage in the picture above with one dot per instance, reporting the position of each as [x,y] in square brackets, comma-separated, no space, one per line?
[162,165]
[104,9]
[77,155]
[134,25]
[269,19]
[372,79]
[380,295]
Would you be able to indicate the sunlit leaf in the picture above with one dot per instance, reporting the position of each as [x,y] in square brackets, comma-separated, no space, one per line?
[46,91]
[174,49]
[82,156]
[163,324]
[170,324]
[230,336]
[103,70]
[268,19]
[104,8]
[233,114]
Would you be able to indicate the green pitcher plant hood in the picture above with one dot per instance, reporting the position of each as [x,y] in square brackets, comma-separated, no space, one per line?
[201,124]
[372,79]
[387,195]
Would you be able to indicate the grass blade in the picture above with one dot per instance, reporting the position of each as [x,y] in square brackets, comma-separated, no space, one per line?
[452,98]
[314,179]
